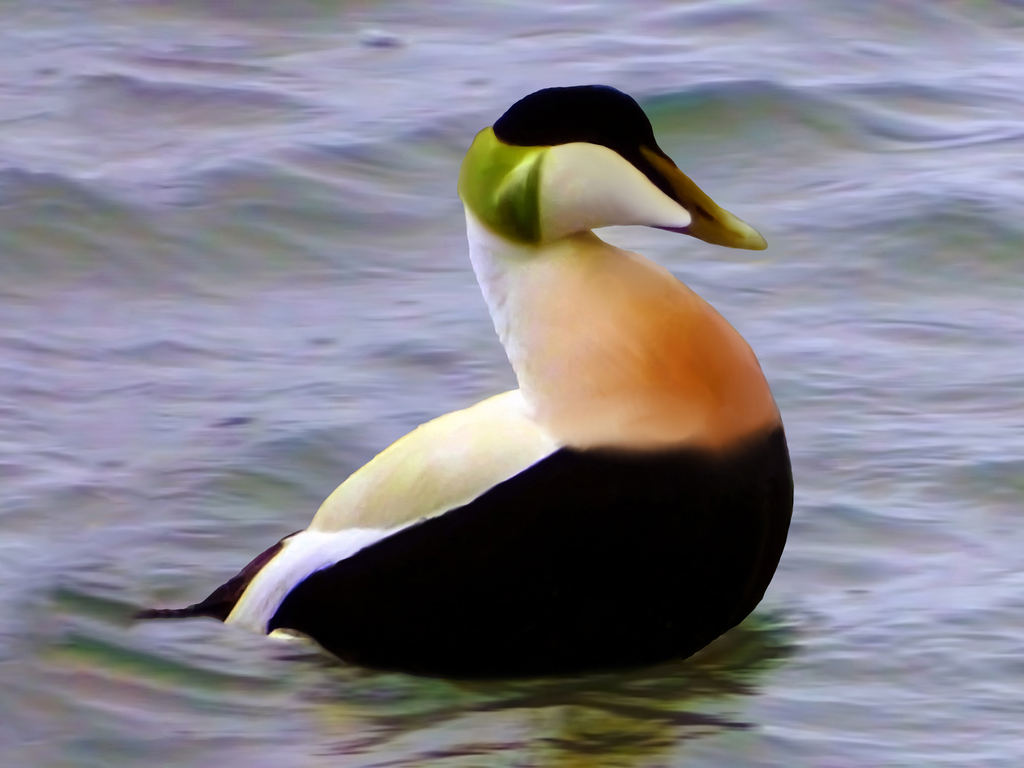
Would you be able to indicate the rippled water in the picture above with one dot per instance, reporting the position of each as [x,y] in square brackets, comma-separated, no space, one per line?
[233,268]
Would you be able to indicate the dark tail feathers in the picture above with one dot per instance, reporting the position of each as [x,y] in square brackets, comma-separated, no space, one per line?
[222,600]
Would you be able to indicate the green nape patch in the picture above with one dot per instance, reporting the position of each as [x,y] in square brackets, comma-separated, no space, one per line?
[501,185]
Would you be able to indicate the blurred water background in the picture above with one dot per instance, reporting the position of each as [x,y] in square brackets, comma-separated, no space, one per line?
[233,268]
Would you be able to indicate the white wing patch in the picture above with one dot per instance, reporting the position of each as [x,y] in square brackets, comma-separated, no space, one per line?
[439,466]
[301,555]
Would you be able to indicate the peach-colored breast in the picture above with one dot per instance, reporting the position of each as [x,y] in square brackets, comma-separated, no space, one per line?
[612,349]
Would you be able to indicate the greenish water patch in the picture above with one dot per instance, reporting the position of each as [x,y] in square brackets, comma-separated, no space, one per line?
[748,117]
[957,244]
[95,653]
[104,609]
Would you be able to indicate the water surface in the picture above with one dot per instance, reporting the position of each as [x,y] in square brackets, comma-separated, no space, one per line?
[233,268]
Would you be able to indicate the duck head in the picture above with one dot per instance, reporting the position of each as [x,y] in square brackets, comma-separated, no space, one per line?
[566,160]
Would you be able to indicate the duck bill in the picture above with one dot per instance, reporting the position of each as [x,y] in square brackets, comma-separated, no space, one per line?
[710,223]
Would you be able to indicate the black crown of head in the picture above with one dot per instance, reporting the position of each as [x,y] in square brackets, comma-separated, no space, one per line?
[596,114]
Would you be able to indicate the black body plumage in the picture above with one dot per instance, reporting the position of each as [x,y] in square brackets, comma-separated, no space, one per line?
[586,560]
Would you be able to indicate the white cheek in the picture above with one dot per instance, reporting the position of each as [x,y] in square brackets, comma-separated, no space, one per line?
[585,186]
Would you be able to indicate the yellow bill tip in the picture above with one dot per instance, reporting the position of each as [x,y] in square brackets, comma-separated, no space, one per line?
[739,234]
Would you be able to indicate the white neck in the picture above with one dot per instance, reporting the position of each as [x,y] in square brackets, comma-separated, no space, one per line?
[612,350]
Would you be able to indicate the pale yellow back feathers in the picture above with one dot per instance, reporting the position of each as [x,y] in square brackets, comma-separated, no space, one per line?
[441,465]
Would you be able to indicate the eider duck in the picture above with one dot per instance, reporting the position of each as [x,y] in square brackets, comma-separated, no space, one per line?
[626,505]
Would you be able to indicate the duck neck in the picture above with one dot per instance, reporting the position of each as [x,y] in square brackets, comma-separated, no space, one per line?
[612,350]
[510,277]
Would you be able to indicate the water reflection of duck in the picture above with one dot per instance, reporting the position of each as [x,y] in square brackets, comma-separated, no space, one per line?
[620,718]
[626,505]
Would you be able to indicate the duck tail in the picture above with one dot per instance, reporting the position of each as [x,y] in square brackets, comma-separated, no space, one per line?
[222,600]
